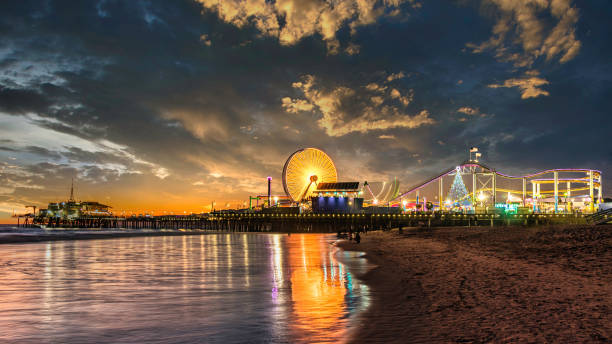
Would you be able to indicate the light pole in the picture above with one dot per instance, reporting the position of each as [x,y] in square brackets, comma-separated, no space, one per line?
[269,191]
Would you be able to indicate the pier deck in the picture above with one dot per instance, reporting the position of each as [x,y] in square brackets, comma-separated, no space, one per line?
[258,222]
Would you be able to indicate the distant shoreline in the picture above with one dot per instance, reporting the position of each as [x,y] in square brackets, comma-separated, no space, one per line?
[512,284]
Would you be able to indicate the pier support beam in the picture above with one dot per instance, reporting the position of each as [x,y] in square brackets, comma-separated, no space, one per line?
[591,193]
[533,195]
[474,187]
[556,181]
[599,189]
[524,191]
[494,182]
[440,193]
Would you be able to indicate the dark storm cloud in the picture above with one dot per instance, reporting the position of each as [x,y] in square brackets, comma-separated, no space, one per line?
[172,94]
[21,101]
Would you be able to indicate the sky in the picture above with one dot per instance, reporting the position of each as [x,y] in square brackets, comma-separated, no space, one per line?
[170,105]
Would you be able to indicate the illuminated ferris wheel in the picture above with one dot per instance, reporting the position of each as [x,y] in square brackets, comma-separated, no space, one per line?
[304,170]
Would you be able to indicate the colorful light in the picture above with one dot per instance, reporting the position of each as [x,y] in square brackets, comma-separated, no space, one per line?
[306,168]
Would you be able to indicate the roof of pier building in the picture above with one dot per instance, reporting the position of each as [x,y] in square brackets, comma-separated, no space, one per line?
[342,186]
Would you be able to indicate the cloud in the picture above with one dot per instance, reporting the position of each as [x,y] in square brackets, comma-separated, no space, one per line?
[13,177]
[201,125]
[468,110]
[292,20]
[352,49]
[405,100]
[206,40]
[345,110]
[395,76]
[35,135]
[528,29]
[296,105]
[10,207]
[375,87]
[528,84]
[377,100]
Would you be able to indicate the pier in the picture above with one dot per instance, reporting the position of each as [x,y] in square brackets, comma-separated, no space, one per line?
[258,222]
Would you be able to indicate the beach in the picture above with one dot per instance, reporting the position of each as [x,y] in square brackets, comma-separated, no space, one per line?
[476,285]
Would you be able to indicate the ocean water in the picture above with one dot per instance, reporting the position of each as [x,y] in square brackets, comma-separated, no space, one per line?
[214,288]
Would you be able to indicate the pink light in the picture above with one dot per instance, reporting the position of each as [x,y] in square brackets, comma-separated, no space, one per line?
[496,172]
[269,178]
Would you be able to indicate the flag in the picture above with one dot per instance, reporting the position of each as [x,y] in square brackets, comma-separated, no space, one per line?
[473,149]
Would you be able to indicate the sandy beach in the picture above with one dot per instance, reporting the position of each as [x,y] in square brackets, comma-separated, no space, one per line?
[476,285]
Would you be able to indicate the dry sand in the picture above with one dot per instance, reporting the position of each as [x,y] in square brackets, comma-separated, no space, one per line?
[476,285]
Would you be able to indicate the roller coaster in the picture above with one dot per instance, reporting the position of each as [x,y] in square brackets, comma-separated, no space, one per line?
[582,189]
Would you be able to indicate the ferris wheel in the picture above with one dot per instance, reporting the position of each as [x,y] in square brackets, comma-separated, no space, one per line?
[306,168]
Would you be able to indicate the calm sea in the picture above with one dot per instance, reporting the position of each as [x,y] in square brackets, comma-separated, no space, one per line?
[216,288]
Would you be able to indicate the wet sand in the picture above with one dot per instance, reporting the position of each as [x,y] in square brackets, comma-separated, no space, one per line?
[476,285]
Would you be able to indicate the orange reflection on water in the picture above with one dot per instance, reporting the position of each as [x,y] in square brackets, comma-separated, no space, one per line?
[317,286]
[221,287]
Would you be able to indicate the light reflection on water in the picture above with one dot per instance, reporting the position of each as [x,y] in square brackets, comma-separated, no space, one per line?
[211,288]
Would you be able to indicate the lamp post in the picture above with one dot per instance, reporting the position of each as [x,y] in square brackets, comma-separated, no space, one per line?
[269,191]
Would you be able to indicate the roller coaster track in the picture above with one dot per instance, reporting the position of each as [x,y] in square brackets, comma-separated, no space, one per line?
[487,169]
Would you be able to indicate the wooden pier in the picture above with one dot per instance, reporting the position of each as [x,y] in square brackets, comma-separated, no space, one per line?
[258,222]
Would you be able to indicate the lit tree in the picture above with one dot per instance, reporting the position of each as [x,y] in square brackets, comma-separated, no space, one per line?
[458,193]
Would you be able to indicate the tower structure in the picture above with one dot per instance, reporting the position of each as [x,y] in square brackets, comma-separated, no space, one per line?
[71,191]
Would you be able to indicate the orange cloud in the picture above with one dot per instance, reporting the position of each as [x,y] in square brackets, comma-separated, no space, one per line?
[529,86]
[292,20]
[374,115]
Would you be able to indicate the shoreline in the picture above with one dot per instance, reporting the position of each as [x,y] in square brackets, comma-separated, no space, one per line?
[34,236]
[10,236]
[512,284]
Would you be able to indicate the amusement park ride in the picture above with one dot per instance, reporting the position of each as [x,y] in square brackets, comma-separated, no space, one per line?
[310,180]
[315,200]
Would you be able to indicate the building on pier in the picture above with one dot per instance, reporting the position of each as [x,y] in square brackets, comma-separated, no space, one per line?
[337,198]
[74,209]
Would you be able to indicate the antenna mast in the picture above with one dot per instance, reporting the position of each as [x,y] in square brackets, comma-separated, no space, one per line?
[72,191]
